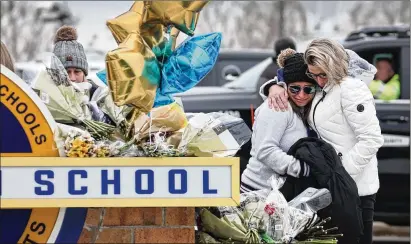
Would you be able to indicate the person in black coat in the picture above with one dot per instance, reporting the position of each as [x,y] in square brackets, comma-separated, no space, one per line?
[327,171]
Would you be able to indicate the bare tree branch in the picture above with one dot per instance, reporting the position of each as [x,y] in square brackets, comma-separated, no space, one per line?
[25,30]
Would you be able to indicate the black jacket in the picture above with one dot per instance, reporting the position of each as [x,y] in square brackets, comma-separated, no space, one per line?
[327,171]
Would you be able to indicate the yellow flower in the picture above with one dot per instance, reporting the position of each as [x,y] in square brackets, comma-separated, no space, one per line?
[77,142]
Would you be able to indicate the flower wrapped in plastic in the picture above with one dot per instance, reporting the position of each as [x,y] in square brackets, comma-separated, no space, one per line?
[75,142]
[298,217]
[264,216]
[66,100]
[214,135]
[84,146]
[168,118]
[105,110]
[243,224]
[278,210]
[220,228]
[312,200]
[103,100]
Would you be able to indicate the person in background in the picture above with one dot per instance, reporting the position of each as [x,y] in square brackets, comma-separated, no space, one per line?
[71,54]
[5,57]
[275,132]
[281,44]
[386,85]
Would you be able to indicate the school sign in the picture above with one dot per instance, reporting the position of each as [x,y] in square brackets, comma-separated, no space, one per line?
[44,197]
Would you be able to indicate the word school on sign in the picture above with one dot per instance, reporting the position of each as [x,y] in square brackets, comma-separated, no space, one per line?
[115,182]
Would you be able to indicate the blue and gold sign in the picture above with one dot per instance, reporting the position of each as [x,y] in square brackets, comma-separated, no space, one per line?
[26,130]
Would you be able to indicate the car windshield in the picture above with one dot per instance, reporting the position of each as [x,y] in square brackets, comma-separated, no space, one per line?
[250,78]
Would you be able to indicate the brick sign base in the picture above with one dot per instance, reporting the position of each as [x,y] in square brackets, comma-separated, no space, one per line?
[139,225]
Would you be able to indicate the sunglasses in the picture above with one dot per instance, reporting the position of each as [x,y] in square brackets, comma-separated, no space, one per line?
[314,76]
[306,89]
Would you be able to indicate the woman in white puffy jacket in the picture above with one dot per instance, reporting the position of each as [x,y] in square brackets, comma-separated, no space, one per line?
[343,114]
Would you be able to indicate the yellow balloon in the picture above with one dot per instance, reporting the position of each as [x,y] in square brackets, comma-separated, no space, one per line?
[129,22]
[133,73]
[183,15]
[132,21]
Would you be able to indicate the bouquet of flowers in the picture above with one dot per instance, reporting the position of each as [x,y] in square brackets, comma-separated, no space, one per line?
[266,217]
[82,145]
[214,135]
[101,100]
[75,142]
[66,101]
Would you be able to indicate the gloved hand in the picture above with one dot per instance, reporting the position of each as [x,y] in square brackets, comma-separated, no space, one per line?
[305,169]
[96,113]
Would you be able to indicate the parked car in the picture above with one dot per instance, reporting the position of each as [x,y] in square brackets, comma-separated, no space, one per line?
[240,97]
[27,70]
[231,64]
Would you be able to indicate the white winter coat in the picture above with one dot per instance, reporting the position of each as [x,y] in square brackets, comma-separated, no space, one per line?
[344,115]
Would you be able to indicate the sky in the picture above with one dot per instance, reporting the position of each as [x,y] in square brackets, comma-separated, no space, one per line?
[93,16]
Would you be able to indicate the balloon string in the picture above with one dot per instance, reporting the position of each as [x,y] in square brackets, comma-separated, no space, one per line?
[149,130]
[164,51]
[168,31]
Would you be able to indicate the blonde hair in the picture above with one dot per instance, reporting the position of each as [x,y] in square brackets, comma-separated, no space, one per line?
[330,56]
[5,58]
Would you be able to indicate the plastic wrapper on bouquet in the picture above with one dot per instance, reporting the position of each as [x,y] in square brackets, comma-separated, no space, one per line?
[265,217]
[215,135]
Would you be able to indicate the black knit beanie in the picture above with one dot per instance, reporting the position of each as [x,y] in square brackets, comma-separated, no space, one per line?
[294,69]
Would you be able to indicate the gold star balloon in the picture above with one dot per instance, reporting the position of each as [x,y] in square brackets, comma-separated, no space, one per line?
[152,33]
[129,22]
[133,73]
[182,15]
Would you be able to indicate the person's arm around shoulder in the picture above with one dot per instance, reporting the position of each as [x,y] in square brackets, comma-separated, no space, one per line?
[270,127]
[359,110]
[276,92]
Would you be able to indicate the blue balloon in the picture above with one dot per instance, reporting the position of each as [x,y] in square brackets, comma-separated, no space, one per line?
[102,75]
[161,99]
[190,63]
[187,66]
